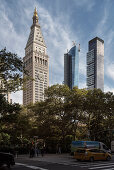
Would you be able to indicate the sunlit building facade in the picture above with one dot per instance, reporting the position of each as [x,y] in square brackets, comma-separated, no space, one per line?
[95,64]
[36,62]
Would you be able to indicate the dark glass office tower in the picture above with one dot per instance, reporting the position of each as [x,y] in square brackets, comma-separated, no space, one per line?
[95,64]
[71,67]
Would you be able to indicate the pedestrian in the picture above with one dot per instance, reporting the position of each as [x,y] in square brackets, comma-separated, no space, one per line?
[37,151]
[42,151]
[32,152]
[59,150]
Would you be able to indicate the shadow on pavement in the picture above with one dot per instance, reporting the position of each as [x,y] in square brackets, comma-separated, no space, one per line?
[4,168]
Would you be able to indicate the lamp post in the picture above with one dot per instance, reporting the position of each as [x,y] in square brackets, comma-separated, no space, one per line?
[35,138]
[76,122]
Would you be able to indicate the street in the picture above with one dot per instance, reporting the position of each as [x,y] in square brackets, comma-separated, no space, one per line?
[59,162]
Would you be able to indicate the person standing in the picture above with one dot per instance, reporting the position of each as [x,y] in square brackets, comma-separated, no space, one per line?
[32,152]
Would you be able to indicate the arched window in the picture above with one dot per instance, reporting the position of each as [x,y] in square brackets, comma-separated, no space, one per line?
[46,62]
[40,61]
[35,59]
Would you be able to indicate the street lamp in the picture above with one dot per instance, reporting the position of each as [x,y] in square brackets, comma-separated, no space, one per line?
[35,137]
[76,122]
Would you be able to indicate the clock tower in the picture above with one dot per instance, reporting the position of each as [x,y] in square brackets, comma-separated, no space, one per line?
[36,62]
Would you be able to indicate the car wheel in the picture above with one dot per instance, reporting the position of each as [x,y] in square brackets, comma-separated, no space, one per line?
[108,158]
[91,159]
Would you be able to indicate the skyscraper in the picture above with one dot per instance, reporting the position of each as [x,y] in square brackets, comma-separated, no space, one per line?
[71,67]
[36,62]
[95,64]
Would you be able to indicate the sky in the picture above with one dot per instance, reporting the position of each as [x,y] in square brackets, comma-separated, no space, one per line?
[62,21]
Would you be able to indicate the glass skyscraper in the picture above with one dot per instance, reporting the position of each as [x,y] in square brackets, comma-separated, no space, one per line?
[95,64]
[71,67]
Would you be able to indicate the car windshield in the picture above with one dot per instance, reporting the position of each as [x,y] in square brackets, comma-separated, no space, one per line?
[105,147]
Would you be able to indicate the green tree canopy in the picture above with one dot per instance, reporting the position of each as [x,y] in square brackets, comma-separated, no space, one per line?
[11,70]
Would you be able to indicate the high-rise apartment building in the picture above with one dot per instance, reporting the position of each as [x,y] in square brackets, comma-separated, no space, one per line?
[71,67]
[36,62]
[95,64]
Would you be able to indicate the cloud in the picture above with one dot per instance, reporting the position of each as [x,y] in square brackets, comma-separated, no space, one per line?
[58,37]
[101,27]
[17,97]
[87,4]
[82,63]
[9,37]
[108,89]
[110,71]
[82,85]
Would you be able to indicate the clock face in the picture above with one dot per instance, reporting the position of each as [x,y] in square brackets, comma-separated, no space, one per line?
[40,77]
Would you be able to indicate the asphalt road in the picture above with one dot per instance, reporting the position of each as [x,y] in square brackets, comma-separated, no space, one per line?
[60,164]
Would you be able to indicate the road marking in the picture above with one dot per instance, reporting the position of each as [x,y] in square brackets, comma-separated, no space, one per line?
[109,169]
[62,163]
[97,164]
[30,166]
[101,167]
[70,163]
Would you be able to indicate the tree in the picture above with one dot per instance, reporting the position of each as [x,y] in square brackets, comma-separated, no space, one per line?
[51,115]
[8,120]
[59,113]
[3,104]
[75,106]
[94,112]
[11,69]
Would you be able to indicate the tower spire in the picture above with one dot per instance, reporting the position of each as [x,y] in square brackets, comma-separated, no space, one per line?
[35,16]
[35,12]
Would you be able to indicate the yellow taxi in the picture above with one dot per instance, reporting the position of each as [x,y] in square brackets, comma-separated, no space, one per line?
[91,154]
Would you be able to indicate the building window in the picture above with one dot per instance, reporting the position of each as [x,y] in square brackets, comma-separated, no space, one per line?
[46,62]
[40,61]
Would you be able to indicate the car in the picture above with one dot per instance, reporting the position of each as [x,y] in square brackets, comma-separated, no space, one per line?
[91,154]
[6,158]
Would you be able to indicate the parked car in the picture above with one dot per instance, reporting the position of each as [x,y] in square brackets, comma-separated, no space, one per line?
[6,158]
[91,154]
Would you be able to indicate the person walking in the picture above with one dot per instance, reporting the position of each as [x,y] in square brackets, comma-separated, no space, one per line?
[32,152]
[42,151]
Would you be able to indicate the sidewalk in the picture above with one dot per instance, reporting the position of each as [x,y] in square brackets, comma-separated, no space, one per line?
[55,158]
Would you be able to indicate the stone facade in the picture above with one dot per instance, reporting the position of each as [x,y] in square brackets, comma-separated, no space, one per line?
[36,62]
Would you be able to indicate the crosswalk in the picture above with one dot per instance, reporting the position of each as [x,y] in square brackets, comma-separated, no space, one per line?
[101,165]
[30,166]
[71,163]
